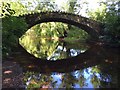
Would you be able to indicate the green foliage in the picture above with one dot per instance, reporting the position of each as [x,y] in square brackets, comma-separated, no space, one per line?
[45,6]
[19,8]
[99,14]
[109,15]
[40,37]
[112,26]
[77,33]
[43,39]
[13,9]
[12,29]
[51,29]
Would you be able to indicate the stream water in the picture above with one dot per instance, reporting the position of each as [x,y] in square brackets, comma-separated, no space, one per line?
[60,64]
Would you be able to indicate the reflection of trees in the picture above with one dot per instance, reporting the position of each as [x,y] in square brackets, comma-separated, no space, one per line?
[103,64]
[101,76]
[68,80]
[98,78]
[107,78]
[95,81]
[36,80]
[64,52]
[81,78]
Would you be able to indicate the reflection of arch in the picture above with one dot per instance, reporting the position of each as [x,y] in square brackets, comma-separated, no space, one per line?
[90,26]
[93,56]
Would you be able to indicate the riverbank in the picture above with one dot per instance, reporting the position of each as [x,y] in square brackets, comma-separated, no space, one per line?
[12,75]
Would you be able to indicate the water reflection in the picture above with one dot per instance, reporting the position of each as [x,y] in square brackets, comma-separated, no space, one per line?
[85,78]
[97,67]
[46,48]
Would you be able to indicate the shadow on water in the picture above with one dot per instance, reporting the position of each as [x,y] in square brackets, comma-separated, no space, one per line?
[97,67]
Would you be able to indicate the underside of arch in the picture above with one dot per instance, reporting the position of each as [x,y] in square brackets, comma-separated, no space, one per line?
[89,30]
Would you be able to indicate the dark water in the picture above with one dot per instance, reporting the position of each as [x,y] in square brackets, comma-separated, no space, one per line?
[61,64]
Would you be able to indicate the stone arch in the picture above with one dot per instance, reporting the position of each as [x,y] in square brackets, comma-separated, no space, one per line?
[90,26]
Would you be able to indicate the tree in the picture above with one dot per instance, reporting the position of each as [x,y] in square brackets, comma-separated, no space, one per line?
[110,17]
[12,29]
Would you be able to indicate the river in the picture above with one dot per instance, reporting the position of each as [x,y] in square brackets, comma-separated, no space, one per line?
[60,64]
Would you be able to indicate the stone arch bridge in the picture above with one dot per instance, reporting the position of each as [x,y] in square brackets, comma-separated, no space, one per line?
[92,27]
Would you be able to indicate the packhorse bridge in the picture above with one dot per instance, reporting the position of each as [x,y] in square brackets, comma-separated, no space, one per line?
[92,27]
